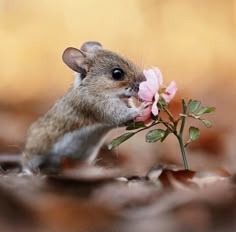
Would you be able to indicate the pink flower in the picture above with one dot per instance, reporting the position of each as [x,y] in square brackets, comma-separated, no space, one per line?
[169,92]
[151,89]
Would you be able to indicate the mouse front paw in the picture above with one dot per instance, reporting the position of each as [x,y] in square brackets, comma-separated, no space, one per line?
[144,112]
[137,111]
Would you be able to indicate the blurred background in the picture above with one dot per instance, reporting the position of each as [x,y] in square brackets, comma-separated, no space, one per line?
[192,42]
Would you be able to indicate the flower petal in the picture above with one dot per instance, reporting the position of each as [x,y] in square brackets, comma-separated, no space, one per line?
[158,74]
[154,105]
[152,80]
[170,92]
[144,92]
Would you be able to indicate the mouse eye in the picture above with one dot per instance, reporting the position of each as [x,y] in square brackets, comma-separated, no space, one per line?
[118,74]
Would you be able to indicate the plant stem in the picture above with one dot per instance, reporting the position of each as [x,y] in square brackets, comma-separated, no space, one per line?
[169,113]
[180,135]
[167,125]
[184,156]
[183,118]
[147,127]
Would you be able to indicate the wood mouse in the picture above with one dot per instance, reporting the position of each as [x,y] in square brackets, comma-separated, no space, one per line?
[76,125]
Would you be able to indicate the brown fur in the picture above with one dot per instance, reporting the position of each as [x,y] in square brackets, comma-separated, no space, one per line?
[90,103]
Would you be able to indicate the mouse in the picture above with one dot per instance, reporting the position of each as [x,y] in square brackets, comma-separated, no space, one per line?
[97,102]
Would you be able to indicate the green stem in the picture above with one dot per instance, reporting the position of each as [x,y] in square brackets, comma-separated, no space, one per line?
[167,125]
[184,156]
[183,118]
[147,127]
[180,136]
[169,113]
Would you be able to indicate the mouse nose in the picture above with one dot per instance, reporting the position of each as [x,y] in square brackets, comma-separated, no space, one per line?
[135,86]
[137,82]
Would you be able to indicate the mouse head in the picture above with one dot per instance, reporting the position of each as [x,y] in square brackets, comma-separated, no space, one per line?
[103,70]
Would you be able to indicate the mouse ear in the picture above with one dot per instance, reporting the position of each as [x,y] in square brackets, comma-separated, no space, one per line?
[90,46]
[75,59]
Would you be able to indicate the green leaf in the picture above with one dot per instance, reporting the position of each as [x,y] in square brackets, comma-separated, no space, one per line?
[117,141]
[167,132]
[193,133]
[161,103]
[194,106]
[206,122]
[205,109]
[135,125]
[154,135]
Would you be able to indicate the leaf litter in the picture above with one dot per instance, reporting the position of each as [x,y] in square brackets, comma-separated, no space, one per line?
[101,199]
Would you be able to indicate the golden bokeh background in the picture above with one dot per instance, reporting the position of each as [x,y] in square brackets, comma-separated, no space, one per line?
[192,42]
